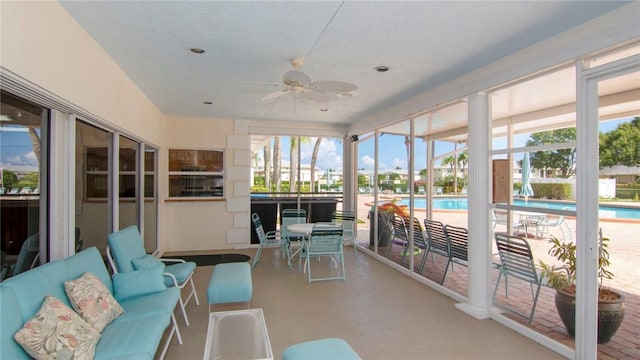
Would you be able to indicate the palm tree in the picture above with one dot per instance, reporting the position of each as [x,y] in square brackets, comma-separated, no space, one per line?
[277,162]
[267,165]
[314,159]
[293,163]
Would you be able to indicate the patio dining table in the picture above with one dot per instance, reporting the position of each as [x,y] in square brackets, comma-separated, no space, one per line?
[530,219]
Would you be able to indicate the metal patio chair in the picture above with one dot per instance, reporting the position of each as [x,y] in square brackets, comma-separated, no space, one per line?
[516,260]
[267,240]
[400,235]
[347,219]
[458,239]
[325,240]
[437,243]
[419,239]
[288,217]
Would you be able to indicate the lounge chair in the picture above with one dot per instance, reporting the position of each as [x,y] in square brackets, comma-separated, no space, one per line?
[516,260]
[437,243]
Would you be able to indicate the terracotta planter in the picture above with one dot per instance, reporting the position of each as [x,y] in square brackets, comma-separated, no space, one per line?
[610,314]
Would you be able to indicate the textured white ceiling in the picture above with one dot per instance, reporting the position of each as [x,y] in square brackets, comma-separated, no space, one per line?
[248,46]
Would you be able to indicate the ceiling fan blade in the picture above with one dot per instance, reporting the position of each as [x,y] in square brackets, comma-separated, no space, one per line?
[295,77]
[331,86]
[275,95]
[317,96]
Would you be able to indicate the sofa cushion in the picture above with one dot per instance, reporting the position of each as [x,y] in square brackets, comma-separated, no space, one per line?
[181,271]
[11,323]
[56,332]
[138,282]
[157,304]
[145,262]
[126,245]
[136,338]
[92,301]
[88,260]
[32,286]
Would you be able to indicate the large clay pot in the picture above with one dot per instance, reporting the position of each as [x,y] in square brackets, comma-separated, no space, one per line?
[610,314]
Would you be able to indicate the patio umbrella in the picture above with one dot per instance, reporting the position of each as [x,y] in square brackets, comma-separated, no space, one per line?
[526,189]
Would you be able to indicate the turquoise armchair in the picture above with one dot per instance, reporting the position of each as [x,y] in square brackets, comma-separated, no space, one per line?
[126,253]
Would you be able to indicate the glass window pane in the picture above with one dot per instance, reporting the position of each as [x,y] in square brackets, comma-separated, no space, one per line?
[21,148]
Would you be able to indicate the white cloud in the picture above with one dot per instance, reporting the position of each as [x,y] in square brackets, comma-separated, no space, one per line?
[399,163]
[368,162]
[28,159]
[329,155]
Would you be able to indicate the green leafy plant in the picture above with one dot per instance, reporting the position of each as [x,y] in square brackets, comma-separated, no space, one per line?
[564,277]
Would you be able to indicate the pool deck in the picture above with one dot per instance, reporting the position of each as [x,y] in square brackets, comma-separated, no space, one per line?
[624,252]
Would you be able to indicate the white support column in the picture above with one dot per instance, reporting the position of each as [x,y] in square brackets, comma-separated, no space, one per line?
[114,184]
[348,169]
[478,302]
[237,186]
[587,134]
[61,191]
[140,186]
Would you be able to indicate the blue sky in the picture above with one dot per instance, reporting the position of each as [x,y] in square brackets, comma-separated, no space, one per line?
[392,150]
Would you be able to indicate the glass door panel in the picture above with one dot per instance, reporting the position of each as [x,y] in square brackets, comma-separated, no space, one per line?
[21,160]
[128,182]
[150,200]
[366,183]
[93,189]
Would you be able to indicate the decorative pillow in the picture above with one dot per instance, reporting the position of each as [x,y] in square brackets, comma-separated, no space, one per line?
[56,332]
[92,300]
[146,262]
[138,282]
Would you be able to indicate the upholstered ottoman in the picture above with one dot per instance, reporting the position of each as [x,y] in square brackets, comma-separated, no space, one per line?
[320,350]
[230,282]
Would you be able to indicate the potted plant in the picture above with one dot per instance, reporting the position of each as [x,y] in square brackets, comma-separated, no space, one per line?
[563,279]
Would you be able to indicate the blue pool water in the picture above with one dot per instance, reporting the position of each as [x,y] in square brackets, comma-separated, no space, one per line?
[461,203]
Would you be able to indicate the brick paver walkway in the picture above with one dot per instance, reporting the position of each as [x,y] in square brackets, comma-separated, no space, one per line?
[624,249]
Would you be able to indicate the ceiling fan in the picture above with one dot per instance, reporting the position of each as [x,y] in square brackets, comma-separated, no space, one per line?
[299,83]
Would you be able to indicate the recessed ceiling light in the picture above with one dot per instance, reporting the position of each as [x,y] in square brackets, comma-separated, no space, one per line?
[324,109]
[197,50]
[382,68]
[207,102]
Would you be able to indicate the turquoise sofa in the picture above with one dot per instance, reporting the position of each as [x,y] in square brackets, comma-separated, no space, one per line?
[135,334]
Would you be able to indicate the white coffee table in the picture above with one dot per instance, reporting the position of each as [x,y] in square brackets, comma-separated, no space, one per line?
[238,334]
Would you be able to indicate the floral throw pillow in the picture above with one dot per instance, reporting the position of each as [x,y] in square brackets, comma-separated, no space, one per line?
[57,332]
[92,300]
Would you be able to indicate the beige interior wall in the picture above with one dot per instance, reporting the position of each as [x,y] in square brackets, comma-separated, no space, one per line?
[42,43]
[194,224]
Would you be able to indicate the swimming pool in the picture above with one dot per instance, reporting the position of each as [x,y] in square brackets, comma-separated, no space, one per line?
[462,203]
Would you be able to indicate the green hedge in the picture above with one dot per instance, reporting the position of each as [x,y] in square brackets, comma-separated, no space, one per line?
[552,191]
[627,193]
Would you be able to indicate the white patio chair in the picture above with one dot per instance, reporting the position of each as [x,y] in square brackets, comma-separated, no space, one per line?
[325,240]
[267,240]
[346,219]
